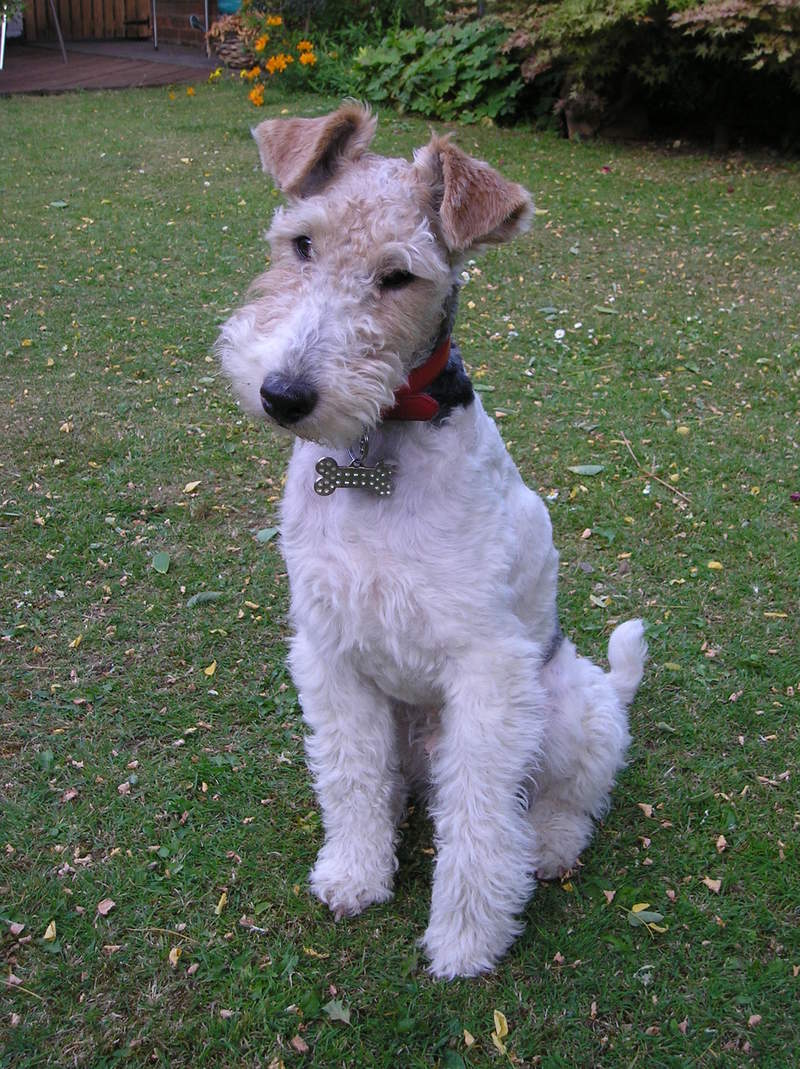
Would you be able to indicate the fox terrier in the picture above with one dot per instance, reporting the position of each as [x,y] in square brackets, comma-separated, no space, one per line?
[427,651]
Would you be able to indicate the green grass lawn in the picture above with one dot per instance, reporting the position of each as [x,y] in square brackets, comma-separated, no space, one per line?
[151,746]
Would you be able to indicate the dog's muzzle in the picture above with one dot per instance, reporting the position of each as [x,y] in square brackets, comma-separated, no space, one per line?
[287,401]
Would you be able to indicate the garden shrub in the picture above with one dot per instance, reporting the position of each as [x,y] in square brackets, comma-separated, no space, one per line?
[453,72]
[714,63]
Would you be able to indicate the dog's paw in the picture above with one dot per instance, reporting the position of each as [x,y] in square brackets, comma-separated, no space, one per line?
[347,889]
[553,867]
[454,952]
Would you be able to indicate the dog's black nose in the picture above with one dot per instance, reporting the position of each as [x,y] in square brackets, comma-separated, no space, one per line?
[287,400]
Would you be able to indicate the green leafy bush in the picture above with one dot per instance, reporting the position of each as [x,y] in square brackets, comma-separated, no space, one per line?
[454,72]
[715,63]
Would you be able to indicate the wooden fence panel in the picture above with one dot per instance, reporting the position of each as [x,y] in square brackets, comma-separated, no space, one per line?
[88,19]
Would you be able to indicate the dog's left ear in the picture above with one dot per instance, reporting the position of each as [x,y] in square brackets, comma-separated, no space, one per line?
[302,155]
[475,204]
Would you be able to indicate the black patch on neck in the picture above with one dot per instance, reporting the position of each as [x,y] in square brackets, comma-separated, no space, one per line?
[452,389]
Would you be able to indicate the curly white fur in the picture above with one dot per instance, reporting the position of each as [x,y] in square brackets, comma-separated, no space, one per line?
[422,620]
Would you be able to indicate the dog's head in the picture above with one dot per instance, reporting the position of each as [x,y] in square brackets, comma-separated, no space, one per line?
[365,260]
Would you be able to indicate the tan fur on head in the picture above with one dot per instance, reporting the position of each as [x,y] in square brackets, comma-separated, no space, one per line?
[478,206]
[302,155]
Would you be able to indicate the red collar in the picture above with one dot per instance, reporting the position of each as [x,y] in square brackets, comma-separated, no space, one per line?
[410,402]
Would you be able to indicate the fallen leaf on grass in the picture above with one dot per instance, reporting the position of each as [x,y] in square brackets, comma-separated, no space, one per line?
[712,885]
[50,932]
[16,929]
[753,1020]
[641,915]
[210,669]
[299,1044]
[223,900]
[111,948]
[311,953]
[500,1031]
[160,562]
[68,795]
[609,896]
[175,956]
[226,1014]
[722,844]
[191,487]
[266,534]
[586,469]
[204,597]
[105,906]
[646,808]
[337,1011]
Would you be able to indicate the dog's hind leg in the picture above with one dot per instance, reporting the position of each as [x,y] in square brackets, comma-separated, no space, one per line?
[489,737]
[352,755]
[587,738]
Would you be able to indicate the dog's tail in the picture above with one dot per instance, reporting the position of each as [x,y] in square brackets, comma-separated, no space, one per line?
[627,651]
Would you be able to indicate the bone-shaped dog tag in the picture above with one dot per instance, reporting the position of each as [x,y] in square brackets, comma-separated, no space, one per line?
[333,477]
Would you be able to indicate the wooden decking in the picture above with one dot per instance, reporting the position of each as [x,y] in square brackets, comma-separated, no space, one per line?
[99,65]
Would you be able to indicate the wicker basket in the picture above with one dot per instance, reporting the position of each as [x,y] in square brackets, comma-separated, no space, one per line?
[227,40]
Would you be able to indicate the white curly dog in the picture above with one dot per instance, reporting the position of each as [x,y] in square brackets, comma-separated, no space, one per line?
[426,651]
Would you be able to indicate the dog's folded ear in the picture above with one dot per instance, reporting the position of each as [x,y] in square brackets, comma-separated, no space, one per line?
[476,205]
[302,155]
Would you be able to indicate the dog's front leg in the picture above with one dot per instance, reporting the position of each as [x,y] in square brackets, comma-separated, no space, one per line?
[352,756]
[489,741]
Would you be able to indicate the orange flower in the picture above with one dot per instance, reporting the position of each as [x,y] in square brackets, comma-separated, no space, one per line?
[262,42]
[190,91]
[278,63]
[256,95]
[304,46]
[274,20]
[308,59]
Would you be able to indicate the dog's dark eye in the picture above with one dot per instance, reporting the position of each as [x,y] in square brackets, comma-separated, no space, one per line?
[397,280]
[302,246]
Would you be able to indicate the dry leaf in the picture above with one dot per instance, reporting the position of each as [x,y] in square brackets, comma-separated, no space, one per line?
[105,907]
[226,1014]
[50,932]
[753,1020]
[299,1044]
[469,1039]
[683,1026]
[500,1024]
[174,956]
[311,953]
[193,968]
[191,487]
[111,948]
[16,929]
[646,808]
[712,885]
[715,566]
[210,669]
[223,900]
[722,844]
[68,795]
[559,958]
[609,896]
